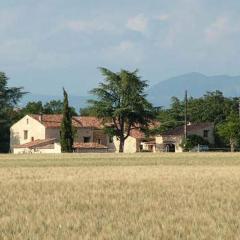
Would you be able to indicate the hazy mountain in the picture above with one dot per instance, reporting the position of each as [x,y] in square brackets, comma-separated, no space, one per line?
[75,101]
[197,84]
[160,94]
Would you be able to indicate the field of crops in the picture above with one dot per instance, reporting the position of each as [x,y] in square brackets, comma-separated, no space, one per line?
[114,196]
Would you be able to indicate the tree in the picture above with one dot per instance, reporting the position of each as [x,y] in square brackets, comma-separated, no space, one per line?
[230,130]
[33,108]
[88,111]
[9,97]
[121,100]
[66,127]
[193,141]
[53,107]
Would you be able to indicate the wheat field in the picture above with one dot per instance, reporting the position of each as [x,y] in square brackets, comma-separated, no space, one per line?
[114,196]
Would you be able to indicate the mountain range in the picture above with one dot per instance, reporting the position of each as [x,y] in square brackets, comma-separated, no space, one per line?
[196,84]
[160,94]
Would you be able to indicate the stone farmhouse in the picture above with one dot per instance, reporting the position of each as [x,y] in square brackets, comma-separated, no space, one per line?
[41,134]
[171,140]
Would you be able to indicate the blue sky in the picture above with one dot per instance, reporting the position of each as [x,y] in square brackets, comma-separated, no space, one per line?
[47,44]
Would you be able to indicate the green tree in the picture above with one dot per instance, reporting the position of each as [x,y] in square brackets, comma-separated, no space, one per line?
[88,111]
[121,99]
[33,108]
[230,130]
[66,131]
[9,97]
[56,107]
[193,141]
[53,107]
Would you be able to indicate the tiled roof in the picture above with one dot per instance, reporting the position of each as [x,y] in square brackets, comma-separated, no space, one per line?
[89,122]
[179,131]
[90,145]
[137,133]
[150,142]
[36,143]
[55,120]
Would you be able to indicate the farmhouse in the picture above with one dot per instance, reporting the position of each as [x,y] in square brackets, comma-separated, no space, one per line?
[41,134]
[136,142]
[171,140]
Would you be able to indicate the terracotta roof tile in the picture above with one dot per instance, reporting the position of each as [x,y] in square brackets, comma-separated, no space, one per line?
[137,133]
[55,120]
[178,131]
[36,143]
[89,122]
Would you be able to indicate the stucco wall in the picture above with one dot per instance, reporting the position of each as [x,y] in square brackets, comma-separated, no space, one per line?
[55,149]
[177,140]
[161,140]
[210,137]
[83,132]
[130,145]
[35,129]
[53,133]
[100,135]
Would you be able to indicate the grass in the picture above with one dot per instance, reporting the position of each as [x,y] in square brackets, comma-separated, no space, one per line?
[108,196]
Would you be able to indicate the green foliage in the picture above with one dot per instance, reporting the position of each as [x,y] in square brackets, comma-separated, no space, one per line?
[193,141]
[88,111]
[66,127]
[121,99]
[52,107]
[33,108]
[230,130]
[211,107]
[9,97]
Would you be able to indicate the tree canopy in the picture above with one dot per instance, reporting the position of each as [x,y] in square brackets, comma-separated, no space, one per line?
[51,107]
[230,130]
[121,100]
[9,97]
[66,132]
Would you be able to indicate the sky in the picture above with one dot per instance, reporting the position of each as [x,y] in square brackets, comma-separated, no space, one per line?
[48,44]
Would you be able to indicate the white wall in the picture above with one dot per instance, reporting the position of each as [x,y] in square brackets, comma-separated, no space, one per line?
[35,129]
[130,145]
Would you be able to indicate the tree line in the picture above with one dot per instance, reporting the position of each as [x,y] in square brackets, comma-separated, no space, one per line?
[121,101]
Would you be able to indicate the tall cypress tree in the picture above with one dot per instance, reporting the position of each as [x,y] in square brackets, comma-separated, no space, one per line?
[66,127]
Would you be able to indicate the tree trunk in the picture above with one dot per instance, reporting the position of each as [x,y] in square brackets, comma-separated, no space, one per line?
[232,144]
[121,145]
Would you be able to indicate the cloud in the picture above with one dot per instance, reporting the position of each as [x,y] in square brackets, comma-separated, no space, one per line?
[89,26]
[162,17]
[138,23]
[220,28]
[217,29]
[127,52]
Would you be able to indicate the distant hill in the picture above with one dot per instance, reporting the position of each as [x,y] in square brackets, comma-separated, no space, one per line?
[75,101]
[197,84]
[160,94]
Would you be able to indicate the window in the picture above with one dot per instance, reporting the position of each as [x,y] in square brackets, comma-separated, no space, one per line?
[27,121]
[205,133]
[25,134]
[86,139]
[99,141]
[110,139]
[32,139]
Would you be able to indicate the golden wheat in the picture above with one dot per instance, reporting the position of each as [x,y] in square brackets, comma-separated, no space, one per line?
[114,196]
